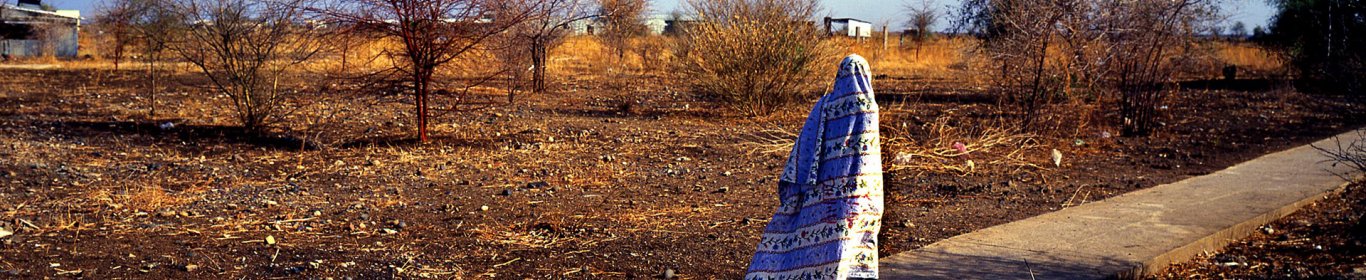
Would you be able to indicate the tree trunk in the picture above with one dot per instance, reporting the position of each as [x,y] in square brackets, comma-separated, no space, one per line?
[422,82]
[152,88]
[538,67]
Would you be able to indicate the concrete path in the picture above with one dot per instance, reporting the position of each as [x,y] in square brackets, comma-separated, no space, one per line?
[1131,235]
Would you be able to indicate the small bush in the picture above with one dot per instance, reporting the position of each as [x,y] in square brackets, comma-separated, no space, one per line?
[755,56]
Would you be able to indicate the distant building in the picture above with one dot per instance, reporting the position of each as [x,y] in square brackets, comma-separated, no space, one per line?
[591,26]
[852,28]
[654,25]
[676,26]
[28,30]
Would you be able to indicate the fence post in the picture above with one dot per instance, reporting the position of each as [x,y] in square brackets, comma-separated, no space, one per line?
[884,37]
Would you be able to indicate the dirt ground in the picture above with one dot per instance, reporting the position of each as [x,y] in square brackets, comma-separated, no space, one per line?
[1326,240]
[570,185]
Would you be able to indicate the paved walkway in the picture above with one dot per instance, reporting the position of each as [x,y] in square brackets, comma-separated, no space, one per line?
[1136,233]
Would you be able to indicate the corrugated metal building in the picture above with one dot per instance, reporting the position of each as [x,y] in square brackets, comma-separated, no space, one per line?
[28,30]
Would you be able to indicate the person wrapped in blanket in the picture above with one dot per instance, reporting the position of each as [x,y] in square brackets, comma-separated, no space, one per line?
[830,192]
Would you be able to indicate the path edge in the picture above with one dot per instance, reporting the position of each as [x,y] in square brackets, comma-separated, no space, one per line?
[1218,240]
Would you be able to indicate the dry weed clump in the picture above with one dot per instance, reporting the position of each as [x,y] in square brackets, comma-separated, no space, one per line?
[940,147]
[149,199]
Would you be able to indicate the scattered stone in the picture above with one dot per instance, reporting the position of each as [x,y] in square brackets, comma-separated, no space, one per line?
[484,208]
[1057,158]
[668,273]
[271,203]
[684,159]
[5,233]
[364,216]
[166,214]
[1268,230]
[537,185]
[190,267]
[388,231]
[317,213]
[727,173]
[270,240]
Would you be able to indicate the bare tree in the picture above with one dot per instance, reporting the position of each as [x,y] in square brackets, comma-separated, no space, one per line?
[248,49]
[756,56]
[921,17]
[115,18]
[1238,31]
[621,20]
[145,24]
[157,25]
[431,33]
[545,27]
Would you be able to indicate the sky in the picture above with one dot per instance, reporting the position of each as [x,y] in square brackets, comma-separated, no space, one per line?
[1250,12]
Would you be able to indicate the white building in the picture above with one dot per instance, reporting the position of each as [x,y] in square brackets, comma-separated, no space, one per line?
[654,25]
[27,30]
[852,28]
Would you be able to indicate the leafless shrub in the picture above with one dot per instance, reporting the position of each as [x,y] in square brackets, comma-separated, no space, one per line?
[1351,154]
[1150,41]
[1058,50]
[248,49]
[755,56]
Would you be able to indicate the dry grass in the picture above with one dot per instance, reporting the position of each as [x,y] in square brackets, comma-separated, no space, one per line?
[936,58]
[1248,56]
[150,198]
